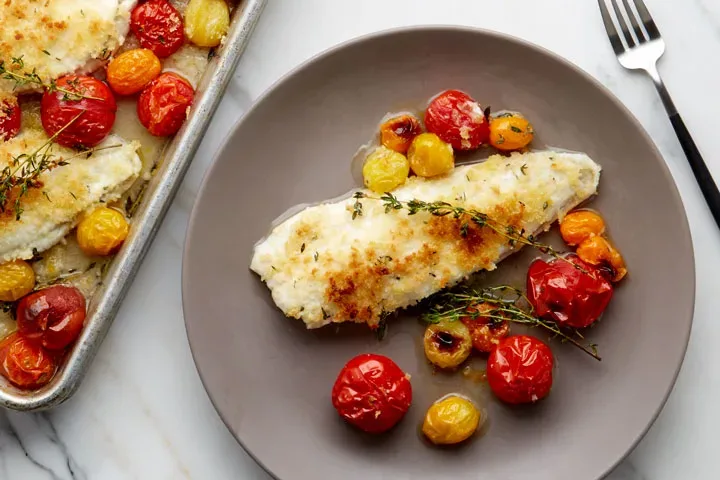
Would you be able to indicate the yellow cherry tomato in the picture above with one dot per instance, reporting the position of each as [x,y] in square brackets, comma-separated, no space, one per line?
[130,71]
[17,279]
[451,420]
[580,225]
[385,170]
[102,232]
[598,251]
[447,344]
[510,132]
[429,156]
[206,22]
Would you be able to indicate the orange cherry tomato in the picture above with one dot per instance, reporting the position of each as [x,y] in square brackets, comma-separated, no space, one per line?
[578,226]
[158,26]
[130,71]
[519,370]
[486,332]
[53,316]
[599,252]
[372,393]
[398,132]
[24,363]
[85,116]
[458,120]
[9,118]
[163,105]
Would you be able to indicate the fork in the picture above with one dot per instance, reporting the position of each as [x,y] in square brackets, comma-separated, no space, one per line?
[638,46]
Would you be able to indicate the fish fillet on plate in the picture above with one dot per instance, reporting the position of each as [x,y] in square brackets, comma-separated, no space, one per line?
[51,211]
[59,37]
[324,267]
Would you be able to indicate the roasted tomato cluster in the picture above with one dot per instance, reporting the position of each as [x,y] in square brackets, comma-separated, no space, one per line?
[48,320]
[453,122]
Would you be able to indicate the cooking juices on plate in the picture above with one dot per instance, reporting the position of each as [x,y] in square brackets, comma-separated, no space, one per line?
[419,230]
[80,135]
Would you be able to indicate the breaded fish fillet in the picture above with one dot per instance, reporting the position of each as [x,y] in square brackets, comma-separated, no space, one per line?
[324,267]
[52,210]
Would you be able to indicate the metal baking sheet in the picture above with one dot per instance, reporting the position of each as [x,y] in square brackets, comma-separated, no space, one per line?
[157,198]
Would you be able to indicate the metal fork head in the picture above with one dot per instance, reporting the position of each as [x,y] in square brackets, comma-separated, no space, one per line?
[633,34]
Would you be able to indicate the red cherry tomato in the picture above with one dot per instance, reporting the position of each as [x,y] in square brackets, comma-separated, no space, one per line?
[486,332]
[458,120]
[158,26]
[163,104]
[85,118]
[519,370]
[9,118]
[372,393]
[24,363]
[52,316]
[569,296]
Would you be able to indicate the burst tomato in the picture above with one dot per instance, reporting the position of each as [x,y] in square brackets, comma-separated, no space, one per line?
[458,120]
[372,393]
[560,291]
[162,106]
[52,316]
[486,330]
[85,115]
[24,363]
[9,118]
[519,370]
[158,26]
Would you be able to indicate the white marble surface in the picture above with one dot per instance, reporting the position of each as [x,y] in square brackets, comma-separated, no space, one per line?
[142,412]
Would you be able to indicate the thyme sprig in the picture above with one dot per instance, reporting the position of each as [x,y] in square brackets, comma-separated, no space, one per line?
[442,209]
[23,171]
[452,306]
[20,77]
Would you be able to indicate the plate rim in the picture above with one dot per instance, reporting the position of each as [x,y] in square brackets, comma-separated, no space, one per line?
[471,30]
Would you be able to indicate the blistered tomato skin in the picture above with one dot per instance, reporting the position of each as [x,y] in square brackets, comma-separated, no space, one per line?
[207,22]
[451,420]
[85,118]
[447,344]
[486,330]
[385,170]
[130,71]
[430,156]
[372,393]
[24,363]
[398,132]
[457,119]
[163,105]
[102,232]
[9,118]
[519,370]
[158,26]
[570,296]
[601,253]
[510,132]
[581,225]
[17,279]
[52,316]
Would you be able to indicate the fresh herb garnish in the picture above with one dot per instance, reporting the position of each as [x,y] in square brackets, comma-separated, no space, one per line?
[515,129]
[16,73]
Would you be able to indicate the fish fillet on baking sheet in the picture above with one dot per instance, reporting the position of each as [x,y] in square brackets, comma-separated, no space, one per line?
[50,211]
[58,37]
[324,267]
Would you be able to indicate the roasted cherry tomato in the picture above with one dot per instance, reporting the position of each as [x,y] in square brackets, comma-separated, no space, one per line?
[372,393]
[158,26]
[398,132]
[85,116]
[9,117]
[130,71]
[102,232]
[447,344]
[599,252]
[457,119]
[52,316]
[450,420]
[510,132]
[24,363]
[429,156]
[568,291]
[519,370]
[580,225]
[163,105]
[385,170]
[17,279]
[486,329]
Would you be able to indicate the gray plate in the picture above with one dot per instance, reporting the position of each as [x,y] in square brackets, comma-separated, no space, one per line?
[270,379]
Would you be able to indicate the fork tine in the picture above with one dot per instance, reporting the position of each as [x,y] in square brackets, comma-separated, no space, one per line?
[610,28]
[647,20]
[631,15]
[623,26]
